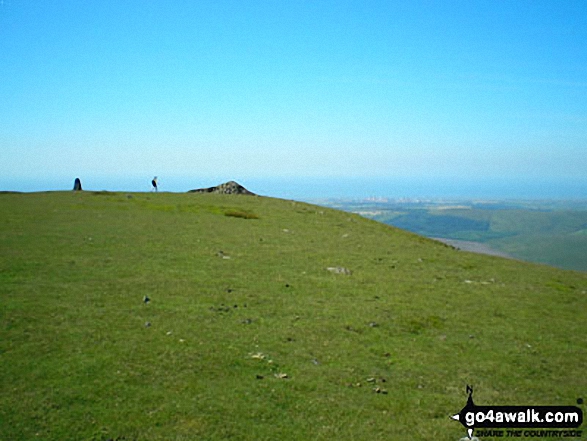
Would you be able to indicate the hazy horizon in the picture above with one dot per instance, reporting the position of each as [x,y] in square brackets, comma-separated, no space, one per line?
[311,188]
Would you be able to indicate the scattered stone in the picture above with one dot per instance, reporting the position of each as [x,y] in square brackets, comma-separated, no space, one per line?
[169,332]
[77,185]
[282,376]
[247,321]
[316,362]
[339,270]
[373,324]
[222,255]
[146,299]
[259,377]
[377,389]
[147,324]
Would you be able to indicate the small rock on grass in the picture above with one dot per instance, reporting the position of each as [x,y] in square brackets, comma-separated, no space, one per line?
[339,270]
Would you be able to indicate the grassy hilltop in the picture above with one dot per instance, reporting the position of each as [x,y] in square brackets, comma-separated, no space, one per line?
[248,335]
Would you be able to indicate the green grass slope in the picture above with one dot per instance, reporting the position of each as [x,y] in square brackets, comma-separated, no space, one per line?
[249,336]
[554,237]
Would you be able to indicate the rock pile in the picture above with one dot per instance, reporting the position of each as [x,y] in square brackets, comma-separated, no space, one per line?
[230,187]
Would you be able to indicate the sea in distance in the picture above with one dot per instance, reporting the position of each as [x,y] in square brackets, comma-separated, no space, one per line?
[315,188]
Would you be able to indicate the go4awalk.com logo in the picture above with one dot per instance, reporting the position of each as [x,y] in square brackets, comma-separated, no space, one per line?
[519,421]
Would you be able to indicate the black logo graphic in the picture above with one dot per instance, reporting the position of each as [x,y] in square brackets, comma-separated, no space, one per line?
[516,417]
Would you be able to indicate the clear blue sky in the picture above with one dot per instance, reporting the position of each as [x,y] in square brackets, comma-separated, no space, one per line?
[275,89]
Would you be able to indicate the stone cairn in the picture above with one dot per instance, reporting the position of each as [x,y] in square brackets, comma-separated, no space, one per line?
[230,187]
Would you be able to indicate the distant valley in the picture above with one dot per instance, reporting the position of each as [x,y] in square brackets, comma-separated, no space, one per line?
[549,232]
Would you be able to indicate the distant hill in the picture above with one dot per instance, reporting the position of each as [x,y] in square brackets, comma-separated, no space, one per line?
[161,316]
[554,233]
[553,237]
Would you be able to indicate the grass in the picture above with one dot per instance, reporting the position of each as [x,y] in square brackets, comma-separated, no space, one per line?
[552,236]
[241,214]
[249,336]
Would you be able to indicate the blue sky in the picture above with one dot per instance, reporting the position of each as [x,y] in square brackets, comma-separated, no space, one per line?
[204,90]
